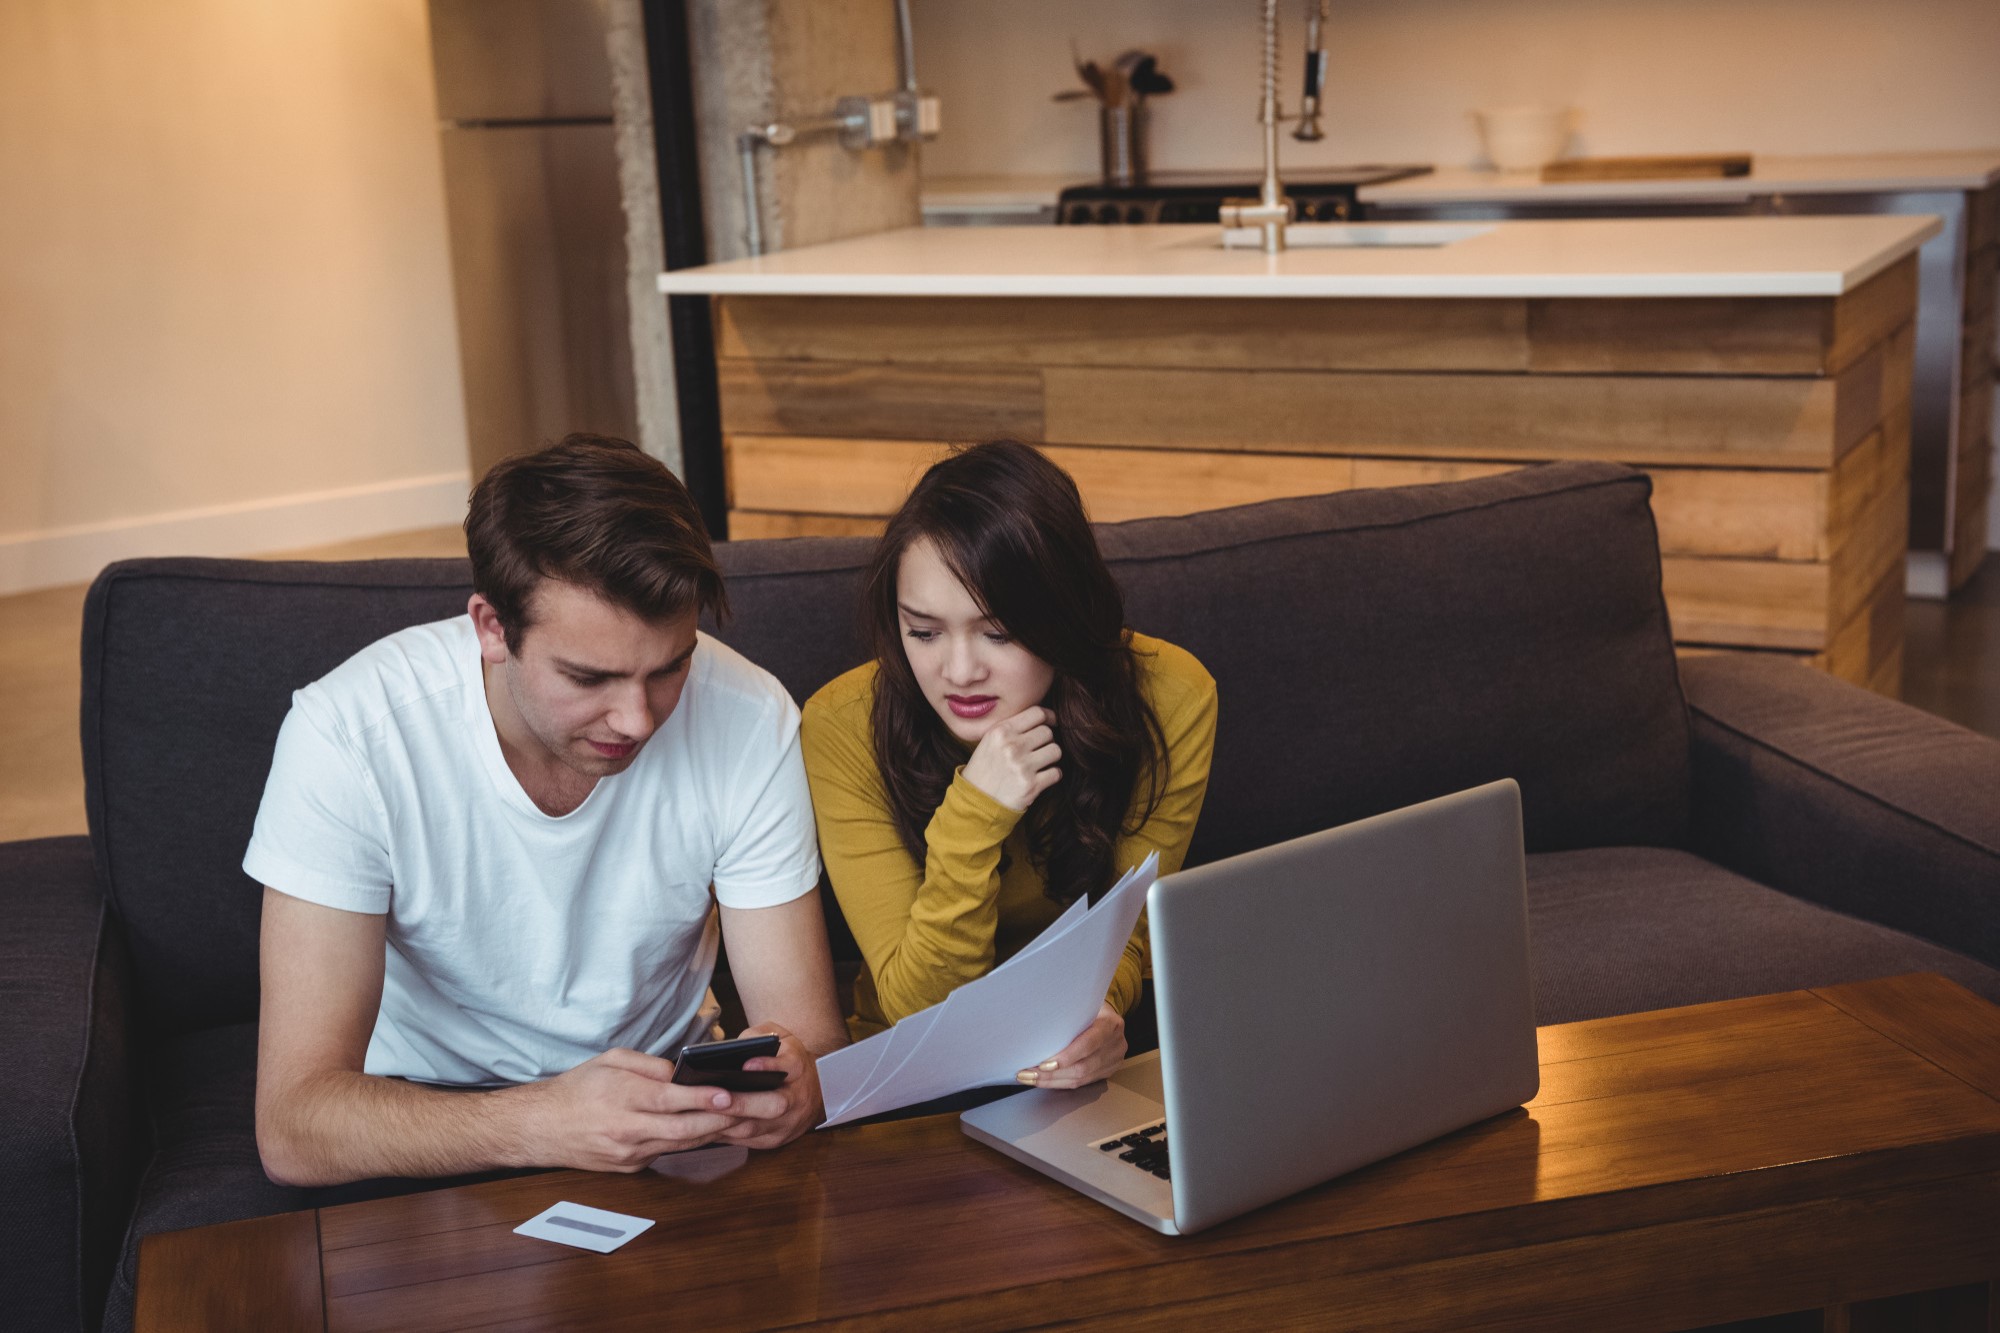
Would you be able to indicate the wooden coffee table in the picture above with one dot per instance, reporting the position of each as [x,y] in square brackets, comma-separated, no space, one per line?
[1818,1150]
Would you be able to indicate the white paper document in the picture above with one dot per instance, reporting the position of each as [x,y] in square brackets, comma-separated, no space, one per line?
[987,1031]
[1060,926]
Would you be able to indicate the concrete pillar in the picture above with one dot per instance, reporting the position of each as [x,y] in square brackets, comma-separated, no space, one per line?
[658,412]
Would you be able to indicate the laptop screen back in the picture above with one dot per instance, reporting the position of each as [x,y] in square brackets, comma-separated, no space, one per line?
[1336,999]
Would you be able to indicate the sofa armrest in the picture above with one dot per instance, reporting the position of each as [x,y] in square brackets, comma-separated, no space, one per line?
[1847,799]
[70,1158]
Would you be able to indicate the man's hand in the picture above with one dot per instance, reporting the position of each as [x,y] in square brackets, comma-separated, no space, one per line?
[772,1119]
[618,1111]
[1015,761]
[1095,1054]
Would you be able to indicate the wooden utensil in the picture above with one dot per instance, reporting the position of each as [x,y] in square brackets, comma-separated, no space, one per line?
[1692,167]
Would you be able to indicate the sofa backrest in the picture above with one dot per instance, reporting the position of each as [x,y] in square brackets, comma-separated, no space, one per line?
[188,670]
[1379,647]
[1371,648]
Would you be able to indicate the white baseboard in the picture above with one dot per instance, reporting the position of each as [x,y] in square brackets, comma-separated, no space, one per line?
[1927,576]
[52,557]
[1993,487]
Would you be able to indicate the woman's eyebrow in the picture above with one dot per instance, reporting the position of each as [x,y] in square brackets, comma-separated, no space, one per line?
[915,614]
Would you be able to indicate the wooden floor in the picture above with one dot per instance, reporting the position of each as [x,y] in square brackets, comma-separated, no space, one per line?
[1951,667]
[1951,662]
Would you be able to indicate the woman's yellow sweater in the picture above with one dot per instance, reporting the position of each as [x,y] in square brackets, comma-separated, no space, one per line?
[926,930]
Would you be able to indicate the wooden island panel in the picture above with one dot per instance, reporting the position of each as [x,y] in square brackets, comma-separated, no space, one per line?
[1764,515]
[1763,335]
[1776,430]
[1979,362]
[1748,421]
[1245,333]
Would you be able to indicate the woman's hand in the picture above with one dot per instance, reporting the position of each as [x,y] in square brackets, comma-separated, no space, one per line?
[1095,1054]
[1015,761]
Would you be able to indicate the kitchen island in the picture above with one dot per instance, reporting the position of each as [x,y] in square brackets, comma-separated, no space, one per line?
[1758,369]
[1953,508]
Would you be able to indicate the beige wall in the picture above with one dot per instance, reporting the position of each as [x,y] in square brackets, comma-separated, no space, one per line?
[1773,76]
[225,302]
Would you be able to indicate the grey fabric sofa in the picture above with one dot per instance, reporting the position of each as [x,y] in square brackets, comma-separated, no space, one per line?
[1725,827]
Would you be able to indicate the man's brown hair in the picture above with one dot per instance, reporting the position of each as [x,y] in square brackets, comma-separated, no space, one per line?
[596,512]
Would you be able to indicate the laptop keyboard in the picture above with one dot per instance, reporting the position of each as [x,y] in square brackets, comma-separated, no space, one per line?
[1144,1147]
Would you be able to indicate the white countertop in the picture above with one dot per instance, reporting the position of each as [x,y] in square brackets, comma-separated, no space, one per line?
[1861,174]
[1785,256]
[1789,175]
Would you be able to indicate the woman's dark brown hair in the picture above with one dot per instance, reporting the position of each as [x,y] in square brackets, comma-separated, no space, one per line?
[1010,525]
[597,512]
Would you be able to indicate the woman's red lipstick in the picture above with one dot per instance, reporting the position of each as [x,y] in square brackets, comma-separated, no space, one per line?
[971,705]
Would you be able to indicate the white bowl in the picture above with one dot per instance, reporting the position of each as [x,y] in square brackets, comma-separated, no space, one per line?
[1524,138]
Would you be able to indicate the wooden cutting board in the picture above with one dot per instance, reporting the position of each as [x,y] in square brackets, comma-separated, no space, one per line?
[1698,167]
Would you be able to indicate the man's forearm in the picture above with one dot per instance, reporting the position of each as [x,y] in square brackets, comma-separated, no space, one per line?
[341,1125]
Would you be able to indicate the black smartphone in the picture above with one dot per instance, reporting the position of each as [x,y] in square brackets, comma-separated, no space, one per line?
[719,1064]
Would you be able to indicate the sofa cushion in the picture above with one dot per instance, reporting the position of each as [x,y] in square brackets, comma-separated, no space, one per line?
[1376,648]
[1618,930]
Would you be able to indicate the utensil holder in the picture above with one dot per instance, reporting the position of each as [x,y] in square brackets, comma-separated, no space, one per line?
[1121,143]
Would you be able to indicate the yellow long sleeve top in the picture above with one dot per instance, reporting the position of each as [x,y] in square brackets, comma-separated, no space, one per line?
[926,930]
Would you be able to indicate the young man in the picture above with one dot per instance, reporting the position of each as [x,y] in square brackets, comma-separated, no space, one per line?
[489,846]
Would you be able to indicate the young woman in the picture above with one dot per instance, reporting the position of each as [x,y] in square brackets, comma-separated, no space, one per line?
[1012,747]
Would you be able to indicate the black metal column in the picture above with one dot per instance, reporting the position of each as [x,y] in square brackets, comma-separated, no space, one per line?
[670,64]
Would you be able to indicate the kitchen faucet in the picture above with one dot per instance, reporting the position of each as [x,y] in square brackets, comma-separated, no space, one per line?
[1271,209]
[1308,130]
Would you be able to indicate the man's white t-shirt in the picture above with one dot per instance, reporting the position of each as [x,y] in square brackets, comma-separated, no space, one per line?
[521,944]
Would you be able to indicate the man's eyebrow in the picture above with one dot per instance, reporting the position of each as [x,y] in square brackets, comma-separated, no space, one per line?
[579,669]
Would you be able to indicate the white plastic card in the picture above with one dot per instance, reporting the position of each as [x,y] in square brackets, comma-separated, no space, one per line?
[585,1227]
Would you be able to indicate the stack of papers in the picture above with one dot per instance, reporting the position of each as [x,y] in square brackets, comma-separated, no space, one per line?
[987,1031]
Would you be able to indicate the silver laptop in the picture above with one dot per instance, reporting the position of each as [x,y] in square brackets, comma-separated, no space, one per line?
[1323,1004]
